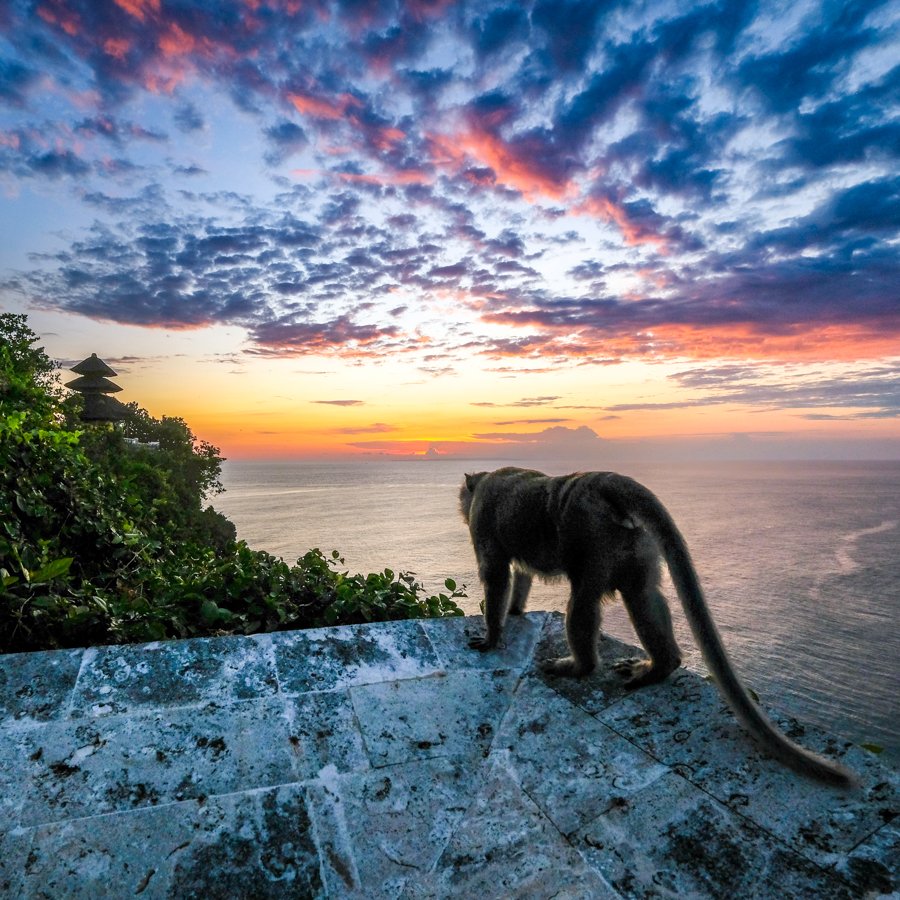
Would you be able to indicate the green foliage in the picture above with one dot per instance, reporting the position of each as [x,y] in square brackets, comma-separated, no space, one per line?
[27,380]
[104,541]
[873,748]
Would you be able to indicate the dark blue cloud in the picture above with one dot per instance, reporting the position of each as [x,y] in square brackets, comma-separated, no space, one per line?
[569,28]
[15,80]
[188,118]
[814,61]
[851,129]
[285,138]
[847,222]
[500,27]
[57,164]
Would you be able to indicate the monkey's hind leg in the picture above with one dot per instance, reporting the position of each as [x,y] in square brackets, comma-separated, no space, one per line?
[582,633]
[652,621]
[521,586]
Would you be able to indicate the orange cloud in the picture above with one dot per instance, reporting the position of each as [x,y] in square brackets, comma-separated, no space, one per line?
[806,342]
[405,177]
[308,105]
[742,341]
[65,19]
[424,9]
[633,232]
[177,42]
[117,47]
[387,138]
[139,8]
[482,148]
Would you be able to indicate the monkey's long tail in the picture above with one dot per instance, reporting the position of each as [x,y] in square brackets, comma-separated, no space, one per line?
[655,517]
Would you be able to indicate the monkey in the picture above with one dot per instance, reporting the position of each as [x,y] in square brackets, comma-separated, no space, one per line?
[605,533]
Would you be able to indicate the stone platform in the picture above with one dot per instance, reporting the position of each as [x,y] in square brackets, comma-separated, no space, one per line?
[391,761]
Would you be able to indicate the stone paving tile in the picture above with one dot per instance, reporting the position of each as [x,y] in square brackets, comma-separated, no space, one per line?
[84,767]
[505,847]
[14,847]
[455,714]
[570,764]
[450,638]
[324,659]
[671,839]
[37,687]
[323,731]
[873,867]
[174,673]
[685,724]
[253,844]
[377,829]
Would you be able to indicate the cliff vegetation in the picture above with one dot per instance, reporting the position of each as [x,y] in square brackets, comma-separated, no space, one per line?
[104,540]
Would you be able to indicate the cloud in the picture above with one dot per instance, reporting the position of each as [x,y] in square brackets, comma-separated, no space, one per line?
[341,402]
[285,138]
[566,183]
[545,421]
[15,81]
[374,428]
[862,393]
[557,441]
[188,118]
[525,401]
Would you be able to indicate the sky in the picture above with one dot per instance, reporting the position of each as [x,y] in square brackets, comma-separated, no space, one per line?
[481,229]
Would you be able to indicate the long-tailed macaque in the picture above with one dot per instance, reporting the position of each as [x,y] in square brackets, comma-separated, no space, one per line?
[604,532]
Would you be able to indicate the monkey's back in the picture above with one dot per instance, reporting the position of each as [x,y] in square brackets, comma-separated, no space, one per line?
[549,524]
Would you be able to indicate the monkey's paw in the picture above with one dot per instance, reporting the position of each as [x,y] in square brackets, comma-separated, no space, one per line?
[482,644]
[565,667]
[638,672]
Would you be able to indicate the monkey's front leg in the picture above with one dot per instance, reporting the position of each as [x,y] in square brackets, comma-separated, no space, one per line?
[495,577]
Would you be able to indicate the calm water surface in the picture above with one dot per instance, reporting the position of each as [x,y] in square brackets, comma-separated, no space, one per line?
[799,561]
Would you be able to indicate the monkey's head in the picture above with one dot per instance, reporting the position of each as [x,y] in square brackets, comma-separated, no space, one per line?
[467,491]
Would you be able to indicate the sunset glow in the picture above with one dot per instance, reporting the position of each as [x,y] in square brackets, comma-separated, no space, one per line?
[492,229]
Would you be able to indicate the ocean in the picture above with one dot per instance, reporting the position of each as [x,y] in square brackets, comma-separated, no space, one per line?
[800,562]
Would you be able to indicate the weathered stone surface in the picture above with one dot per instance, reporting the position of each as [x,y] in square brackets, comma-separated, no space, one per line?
[570,764]
[14,846]
[685,724]
[505,847]
[450,638]
[454,714]
[324,659]
[874,865]
[37,687]
[391,760]
[672,839]
[84,767]
[323,731]
[252,844]
[378,829]
[174,673]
